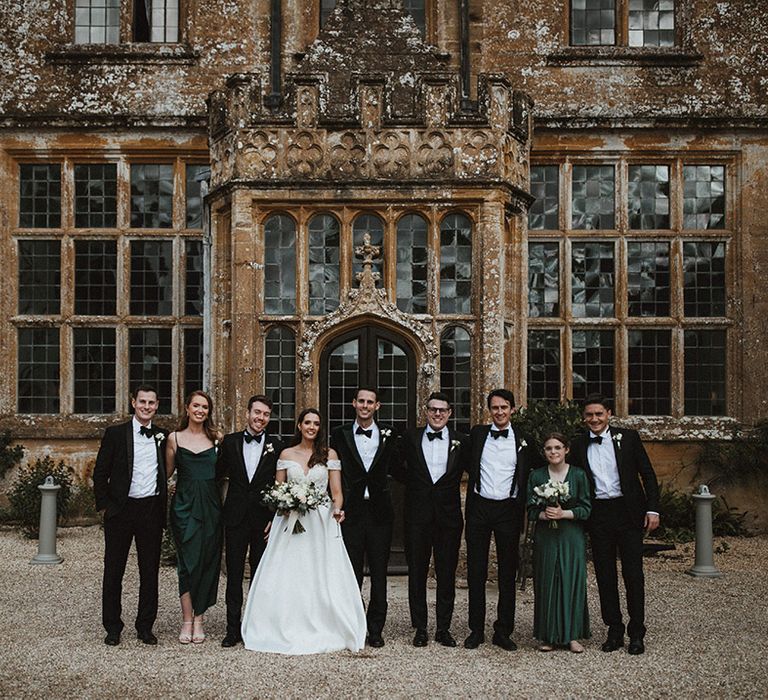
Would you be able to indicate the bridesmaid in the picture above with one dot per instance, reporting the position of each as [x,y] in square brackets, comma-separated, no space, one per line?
[195,513]
[560,615]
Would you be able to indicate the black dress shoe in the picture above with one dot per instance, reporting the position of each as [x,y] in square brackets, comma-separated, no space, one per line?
[474,640]
[503,641]
[612,644]
[231,640]
[147,638]
[420,639]
[444,637]
[376,641]
[112,639]
[636,647]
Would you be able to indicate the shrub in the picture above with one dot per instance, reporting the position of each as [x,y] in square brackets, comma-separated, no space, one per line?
[9,456]
[541,417]
[740,461]
[82,502]
[25,497]
[168,548]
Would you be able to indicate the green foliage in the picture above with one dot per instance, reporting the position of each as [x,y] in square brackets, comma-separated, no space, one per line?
[740,461]
[541,417]
[9,456]
[678,517]
[82,503]
[168,549]
[25,496]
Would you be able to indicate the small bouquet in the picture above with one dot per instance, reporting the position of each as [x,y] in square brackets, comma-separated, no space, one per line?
[294,499]
[551,494]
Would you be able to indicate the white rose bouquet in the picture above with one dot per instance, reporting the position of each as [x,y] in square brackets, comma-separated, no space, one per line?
[294,499]
[551,494]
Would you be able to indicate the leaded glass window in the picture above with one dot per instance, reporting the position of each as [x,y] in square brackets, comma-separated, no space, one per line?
[456,374]
[456,265]
[193,360]
[544,365]
[344,377]
[40,195]
[151,195]
[593,22]
[392,383]
[94,370]
[151,278]
[648,197]
[39,276]
[649,371]
[412,264]
[324,241]
[545,186]
[156,20]
[705,362]
[150,361]
[704,278]
[195,173]
[543,279]
[280,378]
[97,21]
[374,227]
[593,363]
[417,10]
[96,195]
[703,196]
[194,290]
[38,370]
[651,22]
[95,277]
[326,7]
[592,274]
[280,265]
[648,278]
[592,200]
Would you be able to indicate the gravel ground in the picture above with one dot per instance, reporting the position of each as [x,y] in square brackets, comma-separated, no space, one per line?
[705,639]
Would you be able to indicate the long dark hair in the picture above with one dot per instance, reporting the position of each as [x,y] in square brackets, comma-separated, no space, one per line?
[320,448]
[208,428]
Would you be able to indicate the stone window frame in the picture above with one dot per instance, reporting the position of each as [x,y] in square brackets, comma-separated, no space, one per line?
[430,19]
[621,322]
[66,320]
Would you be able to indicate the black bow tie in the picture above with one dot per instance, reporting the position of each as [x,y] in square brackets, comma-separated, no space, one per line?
[361,431]
[146,431]
[437,435]
[496,434]
[596,438]
[249,438]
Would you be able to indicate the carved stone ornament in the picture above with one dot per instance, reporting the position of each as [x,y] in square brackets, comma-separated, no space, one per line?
[367,299]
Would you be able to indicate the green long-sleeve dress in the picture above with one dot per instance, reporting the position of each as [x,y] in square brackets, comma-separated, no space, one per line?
[196,524]
[560,612]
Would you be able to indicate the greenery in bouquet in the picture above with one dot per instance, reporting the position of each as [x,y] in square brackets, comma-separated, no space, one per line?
[295,497]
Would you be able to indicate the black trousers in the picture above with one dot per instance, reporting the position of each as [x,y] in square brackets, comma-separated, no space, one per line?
[140,520]
[501,519]
[368,538]
[247,539]
[422,539]
[613,531]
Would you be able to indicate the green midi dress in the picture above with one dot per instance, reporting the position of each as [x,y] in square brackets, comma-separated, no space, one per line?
[560,612]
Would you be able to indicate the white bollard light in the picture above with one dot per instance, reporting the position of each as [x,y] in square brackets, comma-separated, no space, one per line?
[46,544]
[704,564]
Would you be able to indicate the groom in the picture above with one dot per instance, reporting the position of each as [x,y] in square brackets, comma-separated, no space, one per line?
[366,450]
[248,459]
[130,488]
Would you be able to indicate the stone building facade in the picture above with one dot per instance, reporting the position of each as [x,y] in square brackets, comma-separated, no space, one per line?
[550,196]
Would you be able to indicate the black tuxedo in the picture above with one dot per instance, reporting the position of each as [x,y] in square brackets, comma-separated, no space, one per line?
[244,515]
[367,526]
[618,525]
[433,523]
[504,520]
[126,519]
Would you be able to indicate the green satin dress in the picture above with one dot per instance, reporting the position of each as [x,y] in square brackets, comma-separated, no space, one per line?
[560,612]
[196,525]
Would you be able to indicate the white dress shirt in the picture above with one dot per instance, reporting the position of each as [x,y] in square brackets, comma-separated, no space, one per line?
[436,453]
[144,479]
[252,454]
[498,463]
[367,447]
[602,463]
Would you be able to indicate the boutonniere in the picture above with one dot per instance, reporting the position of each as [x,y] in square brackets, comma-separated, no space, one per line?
[385,433]
[269,448]
[159,437]
[617,439]
[455,444]
[523,444]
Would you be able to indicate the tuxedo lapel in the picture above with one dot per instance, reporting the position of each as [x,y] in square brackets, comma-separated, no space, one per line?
[380,449]
[453,453]
[350,438]
[418,437]
[129,449]
[241,457]
[265,453]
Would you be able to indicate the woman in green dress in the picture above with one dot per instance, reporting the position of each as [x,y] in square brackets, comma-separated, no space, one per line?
[195,513]
[560,616]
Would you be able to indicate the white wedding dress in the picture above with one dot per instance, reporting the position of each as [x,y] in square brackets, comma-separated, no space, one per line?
[304,597]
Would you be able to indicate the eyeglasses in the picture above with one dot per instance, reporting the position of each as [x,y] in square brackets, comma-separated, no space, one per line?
[433,409]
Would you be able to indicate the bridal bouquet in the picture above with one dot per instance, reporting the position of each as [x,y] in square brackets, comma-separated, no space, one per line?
[551,494]
[294,499]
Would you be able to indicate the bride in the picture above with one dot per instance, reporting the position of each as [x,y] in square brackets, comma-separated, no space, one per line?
[304,597]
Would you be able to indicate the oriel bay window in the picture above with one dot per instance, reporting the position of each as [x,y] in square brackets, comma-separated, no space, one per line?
[628,284]
[133,310]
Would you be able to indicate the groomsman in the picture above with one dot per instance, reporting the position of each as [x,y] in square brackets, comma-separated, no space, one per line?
[247,459]
[130,489]
[366,450]
[623,509]
[500,458]
[432,467]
